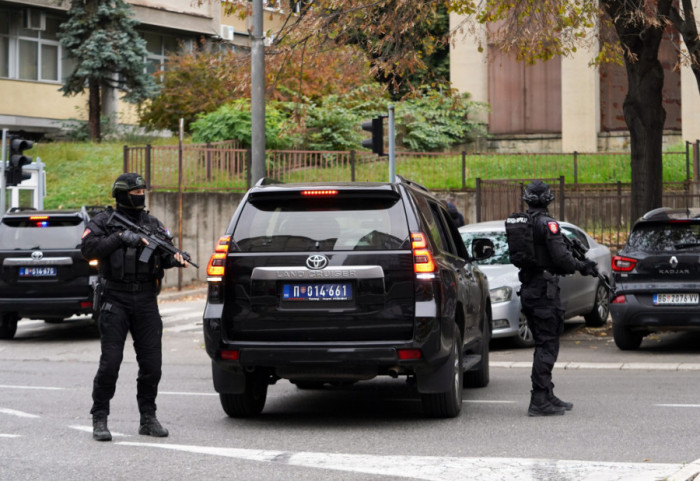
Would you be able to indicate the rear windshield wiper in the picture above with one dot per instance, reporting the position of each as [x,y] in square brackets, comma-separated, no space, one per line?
[686,245]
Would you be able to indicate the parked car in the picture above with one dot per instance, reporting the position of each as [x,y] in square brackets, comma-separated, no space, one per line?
[580,295]
[342,282]
[43,275]
[657,277]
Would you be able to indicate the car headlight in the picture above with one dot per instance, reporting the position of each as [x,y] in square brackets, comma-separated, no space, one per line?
[501,294]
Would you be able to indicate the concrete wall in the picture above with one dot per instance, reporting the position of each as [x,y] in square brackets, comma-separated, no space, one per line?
[205,217]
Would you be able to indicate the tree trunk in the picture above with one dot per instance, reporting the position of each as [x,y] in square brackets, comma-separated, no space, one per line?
[643,109]
[95,110]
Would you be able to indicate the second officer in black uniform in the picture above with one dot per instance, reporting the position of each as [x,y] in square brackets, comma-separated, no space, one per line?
[539,297]
[128,304]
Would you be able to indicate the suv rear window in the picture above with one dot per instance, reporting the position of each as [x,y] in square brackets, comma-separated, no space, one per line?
[329,223]
[41,232]
[654,237]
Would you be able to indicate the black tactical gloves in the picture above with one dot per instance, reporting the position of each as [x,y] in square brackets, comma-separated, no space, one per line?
[589,268]
[131,238]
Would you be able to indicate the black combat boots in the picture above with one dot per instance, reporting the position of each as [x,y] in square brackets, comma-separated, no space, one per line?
[540,405]
[558,402]
[151,427]
[100,432]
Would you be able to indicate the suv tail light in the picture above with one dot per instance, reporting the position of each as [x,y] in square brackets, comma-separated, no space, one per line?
[423,262]
[623,264]
[216,266]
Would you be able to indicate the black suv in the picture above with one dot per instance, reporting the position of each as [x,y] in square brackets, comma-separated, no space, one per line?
[657,277]
[42,273]
[341,282]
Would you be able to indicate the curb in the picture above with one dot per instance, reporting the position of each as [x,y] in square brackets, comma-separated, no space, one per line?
[690,472]
[175,295]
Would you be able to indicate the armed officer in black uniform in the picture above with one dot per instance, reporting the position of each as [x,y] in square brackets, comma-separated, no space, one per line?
[128,304]
[539,297]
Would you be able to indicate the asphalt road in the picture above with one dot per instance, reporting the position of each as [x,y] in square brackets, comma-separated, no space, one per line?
[635,416]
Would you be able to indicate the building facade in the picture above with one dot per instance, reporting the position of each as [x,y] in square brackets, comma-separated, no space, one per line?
[565,104]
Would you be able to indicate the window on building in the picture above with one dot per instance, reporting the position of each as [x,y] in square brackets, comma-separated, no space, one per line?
[159,48]
[29,49]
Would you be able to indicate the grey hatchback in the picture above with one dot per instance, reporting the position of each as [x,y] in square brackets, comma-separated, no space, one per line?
[657,277]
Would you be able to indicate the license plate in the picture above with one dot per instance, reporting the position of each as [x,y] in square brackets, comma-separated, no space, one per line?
[675,299]
[37,271]
[317,292]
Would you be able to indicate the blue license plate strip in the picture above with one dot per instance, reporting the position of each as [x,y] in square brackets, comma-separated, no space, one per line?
[317,292]
[37,271]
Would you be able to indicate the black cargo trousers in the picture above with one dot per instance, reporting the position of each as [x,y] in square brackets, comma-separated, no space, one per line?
[135,312]
[539,298]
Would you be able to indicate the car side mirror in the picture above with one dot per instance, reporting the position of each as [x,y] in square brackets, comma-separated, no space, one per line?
[482,248]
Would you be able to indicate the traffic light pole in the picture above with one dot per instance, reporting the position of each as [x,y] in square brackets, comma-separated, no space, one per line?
[392,147]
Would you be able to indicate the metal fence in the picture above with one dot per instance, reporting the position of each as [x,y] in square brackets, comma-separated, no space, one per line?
[601,208]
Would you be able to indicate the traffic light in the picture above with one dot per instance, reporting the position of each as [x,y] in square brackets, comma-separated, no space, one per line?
[376,143]
[14,174]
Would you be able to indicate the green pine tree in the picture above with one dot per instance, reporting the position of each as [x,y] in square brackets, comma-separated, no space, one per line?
[100,35]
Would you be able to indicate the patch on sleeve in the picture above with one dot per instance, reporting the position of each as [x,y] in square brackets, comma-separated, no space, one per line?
[87,231]
[553,227]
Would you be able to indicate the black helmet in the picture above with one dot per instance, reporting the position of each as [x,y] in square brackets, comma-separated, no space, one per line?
[538,193]
[127,182]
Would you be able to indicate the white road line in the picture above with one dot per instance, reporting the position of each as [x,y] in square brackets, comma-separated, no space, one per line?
[170,310]
[185,327]
[19,414]
[88,429]
[487,401]
[175,393]
[47,388]
[434,468]
[9,435]
[615,366]
[678,405]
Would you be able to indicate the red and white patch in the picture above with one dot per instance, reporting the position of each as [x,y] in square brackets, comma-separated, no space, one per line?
[553,227]
[87,231]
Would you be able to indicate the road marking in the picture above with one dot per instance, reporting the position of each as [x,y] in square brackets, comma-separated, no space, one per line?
[185,327]
[9,435]
[171,310]
[434,468]
[615,366]
[175,393]
[47,388]
[19,414]
[487,401]
[678,405]
[88,429]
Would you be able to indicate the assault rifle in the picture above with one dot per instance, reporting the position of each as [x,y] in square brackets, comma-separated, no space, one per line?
[579,252]
[160,239]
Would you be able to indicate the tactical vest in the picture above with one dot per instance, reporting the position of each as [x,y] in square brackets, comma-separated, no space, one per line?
[520,227]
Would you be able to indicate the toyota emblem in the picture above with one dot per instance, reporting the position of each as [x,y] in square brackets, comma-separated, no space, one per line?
[673,262]
[316,262]
[37,256]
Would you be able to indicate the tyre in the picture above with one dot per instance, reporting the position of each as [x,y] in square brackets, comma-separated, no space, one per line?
[625,338]
[524,337]
[448,404]
[248,403]
[601,308]
[8,325]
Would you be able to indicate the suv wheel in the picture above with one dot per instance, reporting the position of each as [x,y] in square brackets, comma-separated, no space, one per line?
[248,403]
[479,376]
[8,325]
[601,308]
[448,404]
[625,338]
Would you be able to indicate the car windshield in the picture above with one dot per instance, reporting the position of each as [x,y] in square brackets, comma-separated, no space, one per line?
[654,237]
[500,244]
[47,233]
[338,224]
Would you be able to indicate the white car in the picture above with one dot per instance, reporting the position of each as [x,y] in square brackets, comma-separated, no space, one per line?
[581,295]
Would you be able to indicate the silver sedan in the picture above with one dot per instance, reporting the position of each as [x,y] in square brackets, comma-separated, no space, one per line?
[580,295]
